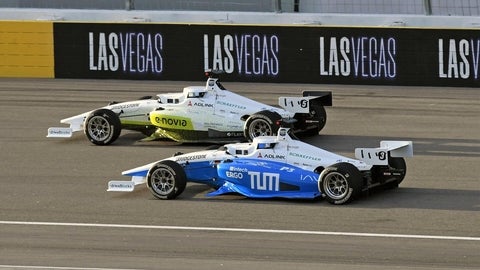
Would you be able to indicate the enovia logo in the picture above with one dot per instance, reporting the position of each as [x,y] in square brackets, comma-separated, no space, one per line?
[175,122]
[171,121]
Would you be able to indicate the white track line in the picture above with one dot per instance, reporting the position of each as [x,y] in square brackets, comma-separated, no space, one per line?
[58,268]
[215,229]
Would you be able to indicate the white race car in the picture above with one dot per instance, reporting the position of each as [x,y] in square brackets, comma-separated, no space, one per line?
[200,114]
[275,167]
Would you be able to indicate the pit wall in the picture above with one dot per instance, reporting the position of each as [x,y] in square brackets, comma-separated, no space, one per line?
[253,53]
[26,49]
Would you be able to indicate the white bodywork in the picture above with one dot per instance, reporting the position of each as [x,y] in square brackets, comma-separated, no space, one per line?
[196,108]
[131,112]
[281,148]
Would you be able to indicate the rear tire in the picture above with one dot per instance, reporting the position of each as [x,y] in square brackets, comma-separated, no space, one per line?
[102,127]
[166,180]
[263,123]
[340,183]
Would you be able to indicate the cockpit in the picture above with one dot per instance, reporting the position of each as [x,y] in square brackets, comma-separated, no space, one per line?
[213,83]
[244,149]
[265,145]
[194,92]
[240,149]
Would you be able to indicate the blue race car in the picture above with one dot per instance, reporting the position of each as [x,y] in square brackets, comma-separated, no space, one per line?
[274,167]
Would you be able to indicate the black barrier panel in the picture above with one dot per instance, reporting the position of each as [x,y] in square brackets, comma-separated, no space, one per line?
[293,54]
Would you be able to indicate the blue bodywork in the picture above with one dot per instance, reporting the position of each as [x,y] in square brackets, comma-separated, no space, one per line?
[255,178]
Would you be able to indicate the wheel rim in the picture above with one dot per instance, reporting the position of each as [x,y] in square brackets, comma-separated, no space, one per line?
[335,185]
[98,128]
[163,181]
[259,127]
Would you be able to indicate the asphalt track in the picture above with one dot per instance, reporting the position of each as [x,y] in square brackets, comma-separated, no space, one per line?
[55,212]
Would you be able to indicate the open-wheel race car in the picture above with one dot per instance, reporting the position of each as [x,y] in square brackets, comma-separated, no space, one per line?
[274,167]
[207,113]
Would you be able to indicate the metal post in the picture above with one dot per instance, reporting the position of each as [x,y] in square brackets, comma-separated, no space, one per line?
[129,4]
[427,5]
[277,6]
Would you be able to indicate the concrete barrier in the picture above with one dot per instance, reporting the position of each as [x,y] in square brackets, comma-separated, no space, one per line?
[26,49]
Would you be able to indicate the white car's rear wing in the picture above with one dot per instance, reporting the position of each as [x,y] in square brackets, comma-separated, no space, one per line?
[379,156]
[303,104]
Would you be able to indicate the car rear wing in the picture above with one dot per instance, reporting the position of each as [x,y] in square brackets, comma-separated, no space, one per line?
[303,104]
[379,156]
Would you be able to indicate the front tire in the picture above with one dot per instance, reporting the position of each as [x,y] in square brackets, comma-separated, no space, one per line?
[263,123]
[102,127]
[340,183]
[166,180]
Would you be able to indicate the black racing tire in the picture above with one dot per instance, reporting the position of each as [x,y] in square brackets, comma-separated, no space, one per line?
[317,113]
[102,127]
[166,180]
[340,183]
[263,123]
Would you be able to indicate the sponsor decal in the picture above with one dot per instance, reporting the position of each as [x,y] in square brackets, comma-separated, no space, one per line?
[233,105]
[117,185]
[125,106]
[235,134]
[244,54]
[59,131]
[298,155]
[236,175]
[458,59]
[264,181]
[307,178]
[176,122]
[287,169]
[204,105]
[236,172]
[132,52]
[274,156]
[237,169]
[199,104]
[367,57]
[190,157]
